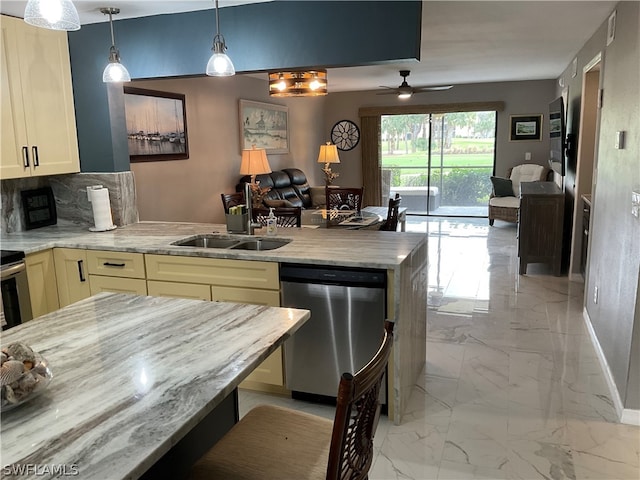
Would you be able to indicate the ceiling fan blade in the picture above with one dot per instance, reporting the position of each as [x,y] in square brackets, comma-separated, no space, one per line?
[432,89]
[390,88]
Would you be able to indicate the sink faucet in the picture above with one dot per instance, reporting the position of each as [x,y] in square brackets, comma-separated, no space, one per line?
[251,225]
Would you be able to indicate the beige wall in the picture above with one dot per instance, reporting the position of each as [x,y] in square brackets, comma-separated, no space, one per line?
[189,190]
[520,98]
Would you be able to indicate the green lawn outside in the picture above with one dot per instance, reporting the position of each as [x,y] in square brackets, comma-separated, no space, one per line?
[419,159]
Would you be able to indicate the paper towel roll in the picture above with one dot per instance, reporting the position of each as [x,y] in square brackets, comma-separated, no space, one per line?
[102,219]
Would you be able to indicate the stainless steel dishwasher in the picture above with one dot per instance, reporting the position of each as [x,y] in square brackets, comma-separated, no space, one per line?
[344,331]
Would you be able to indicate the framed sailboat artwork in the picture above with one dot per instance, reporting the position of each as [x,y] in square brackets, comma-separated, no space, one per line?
[156,125]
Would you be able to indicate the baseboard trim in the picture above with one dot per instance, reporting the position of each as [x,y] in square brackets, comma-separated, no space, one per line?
[576,277]
[630,417]
[613,390]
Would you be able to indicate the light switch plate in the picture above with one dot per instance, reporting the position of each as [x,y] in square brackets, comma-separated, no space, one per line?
[619,140]
[527,156]
[635,203]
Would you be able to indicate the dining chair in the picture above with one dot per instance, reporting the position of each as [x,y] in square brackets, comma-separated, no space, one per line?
[277,443]
[285,216]
[231,200]
[338,198]
[391,223]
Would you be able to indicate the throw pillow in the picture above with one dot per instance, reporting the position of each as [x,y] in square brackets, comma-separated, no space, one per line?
[502,187]
[278,203]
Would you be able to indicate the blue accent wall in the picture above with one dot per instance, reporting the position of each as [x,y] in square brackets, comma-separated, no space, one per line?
[260,36]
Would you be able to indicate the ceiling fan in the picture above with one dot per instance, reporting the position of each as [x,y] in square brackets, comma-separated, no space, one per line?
[405,90]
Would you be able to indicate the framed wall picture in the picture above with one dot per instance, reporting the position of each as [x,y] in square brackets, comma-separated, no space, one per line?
[156,125]
[525,127]
[265,126]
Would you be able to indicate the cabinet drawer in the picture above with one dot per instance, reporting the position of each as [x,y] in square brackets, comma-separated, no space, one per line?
[178,290]
[213,271]
[98,284]
[115,264]
[270,298]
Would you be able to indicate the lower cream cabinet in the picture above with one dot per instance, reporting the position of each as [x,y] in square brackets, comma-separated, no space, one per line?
[178,290]
[43,289]
[117,272]
[134,286]
[226,280]
[71,275]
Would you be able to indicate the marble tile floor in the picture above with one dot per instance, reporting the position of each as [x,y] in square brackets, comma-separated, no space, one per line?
[512,387]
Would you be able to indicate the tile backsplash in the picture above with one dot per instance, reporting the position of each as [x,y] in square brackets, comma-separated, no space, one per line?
[70,192]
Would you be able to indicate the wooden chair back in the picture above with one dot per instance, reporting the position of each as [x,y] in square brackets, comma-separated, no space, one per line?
[231,200]
[391,223]
[357,415]
[285,216]
[344,198]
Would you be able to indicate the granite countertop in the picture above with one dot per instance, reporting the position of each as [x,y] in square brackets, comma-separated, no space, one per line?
[132,375]
[370,248]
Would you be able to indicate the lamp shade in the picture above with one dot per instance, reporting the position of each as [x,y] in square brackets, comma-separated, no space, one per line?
[254,162]
[52,14]
[115,72]
[328,154]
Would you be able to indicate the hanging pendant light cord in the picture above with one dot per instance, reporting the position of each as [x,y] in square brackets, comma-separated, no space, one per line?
[217,21]
[113,38]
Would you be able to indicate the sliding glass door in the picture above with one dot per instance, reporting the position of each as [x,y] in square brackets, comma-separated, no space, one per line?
[439,163]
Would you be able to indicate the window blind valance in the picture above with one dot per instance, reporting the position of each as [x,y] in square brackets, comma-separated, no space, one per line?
[436,108]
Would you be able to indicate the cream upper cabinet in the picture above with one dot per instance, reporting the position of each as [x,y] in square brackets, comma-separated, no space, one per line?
[38,132]
[43,288]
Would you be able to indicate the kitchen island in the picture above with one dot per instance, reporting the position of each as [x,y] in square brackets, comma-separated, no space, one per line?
[403,256]
[132,376]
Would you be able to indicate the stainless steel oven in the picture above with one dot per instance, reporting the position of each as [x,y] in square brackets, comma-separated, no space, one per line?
[16,303]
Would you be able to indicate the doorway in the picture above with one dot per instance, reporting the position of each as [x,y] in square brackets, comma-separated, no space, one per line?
[586,161]
[440,163]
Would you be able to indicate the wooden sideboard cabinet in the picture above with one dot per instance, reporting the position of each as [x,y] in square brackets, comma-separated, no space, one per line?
[540,225]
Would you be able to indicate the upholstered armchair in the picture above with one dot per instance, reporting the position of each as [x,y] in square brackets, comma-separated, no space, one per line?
[504,201]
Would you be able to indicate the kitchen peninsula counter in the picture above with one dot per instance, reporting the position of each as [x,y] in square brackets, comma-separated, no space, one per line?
[132,375]
[402,255]
[352,248]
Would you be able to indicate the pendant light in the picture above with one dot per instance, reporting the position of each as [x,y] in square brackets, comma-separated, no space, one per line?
[114,72]
[219,65]
[52,14]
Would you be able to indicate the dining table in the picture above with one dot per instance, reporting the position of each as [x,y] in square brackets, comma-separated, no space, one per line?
[141,388]
[368,217]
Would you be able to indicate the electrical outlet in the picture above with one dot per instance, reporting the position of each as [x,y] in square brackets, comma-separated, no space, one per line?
[595,295]
[527,156]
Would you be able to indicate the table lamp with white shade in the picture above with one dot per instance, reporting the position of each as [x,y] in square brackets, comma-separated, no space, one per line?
[254,162]
[328,155]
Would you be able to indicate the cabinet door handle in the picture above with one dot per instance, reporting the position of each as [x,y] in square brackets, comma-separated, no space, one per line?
[36,159]
[25,157]
[81,271]
[109,264]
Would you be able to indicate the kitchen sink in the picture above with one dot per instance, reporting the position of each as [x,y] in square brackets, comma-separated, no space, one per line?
[260,244]
[207,241]
[225,241]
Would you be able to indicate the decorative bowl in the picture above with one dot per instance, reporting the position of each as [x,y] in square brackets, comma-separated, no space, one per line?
[18,388]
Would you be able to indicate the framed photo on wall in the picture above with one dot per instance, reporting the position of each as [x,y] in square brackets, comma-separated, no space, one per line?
[156,125]
[265,126]
[525,127]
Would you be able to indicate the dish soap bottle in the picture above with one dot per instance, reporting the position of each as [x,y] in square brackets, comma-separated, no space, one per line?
[272,223]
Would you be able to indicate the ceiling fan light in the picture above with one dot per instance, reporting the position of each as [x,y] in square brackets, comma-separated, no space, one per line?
[52,14]
[404,95]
